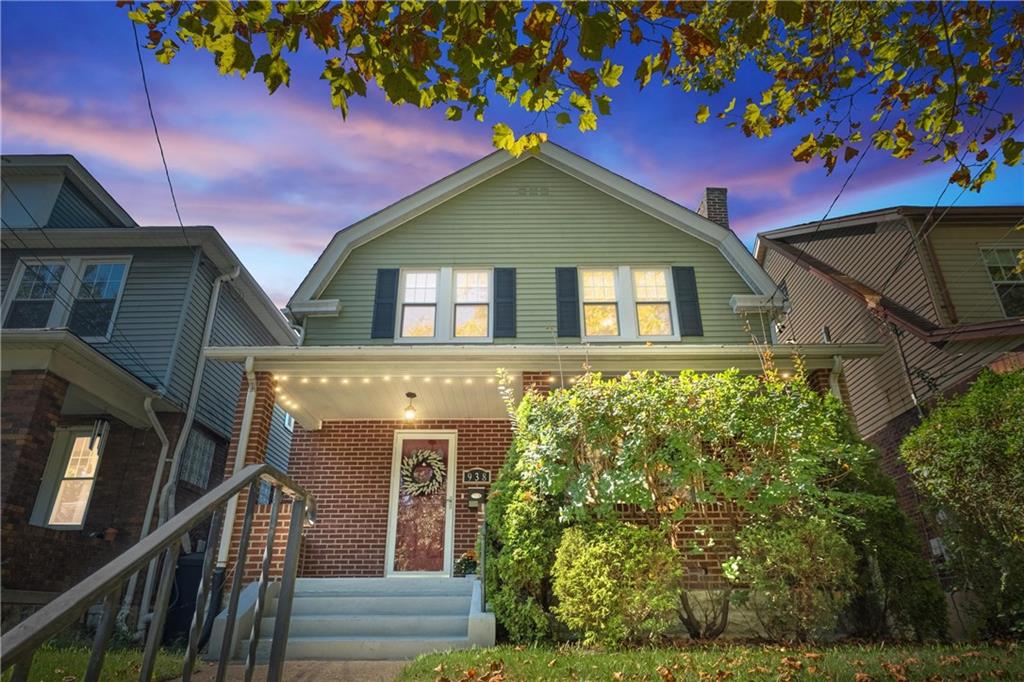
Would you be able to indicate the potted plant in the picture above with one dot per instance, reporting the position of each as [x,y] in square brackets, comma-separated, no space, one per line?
[466,565]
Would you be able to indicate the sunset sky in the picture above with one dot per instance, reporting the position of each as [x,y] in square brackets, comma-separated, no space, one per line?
[280,175]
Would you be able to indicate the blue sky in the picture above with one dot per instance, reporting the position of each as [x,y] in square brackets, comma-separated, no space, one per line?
[280,175]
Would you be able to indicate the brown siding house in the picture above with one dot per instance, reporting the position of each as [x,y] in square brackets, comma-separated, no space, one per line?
[936,287]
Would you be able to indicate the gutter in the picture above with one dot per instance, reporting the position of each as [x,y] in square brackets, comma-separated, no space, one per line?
[166,503]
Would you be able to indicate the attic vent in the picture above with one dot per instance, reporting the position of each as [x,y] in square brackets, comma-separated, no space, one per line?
[532,191]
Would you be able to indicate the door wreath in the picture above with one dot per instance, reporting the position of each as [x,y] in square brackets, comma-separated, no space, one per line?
[422,472]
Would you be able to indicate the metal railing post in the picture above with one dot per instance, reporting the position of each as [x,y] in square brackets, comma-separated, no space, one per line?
[19,644]
[202,594]
[282,621]
[236,583]
[261,591]
[102,638]
[483,556]
[156,625]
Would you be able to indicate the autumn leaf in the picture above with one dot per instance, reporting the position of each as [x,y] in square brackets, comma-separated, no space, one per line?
[703,112]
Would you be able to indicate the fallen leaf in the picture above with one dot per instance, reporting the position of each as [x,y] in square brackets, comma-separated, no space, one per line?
[666,674]
[471,673]
[863,677]
[814,656]
[791,663]
[896,671]
[551,663]
[439,668]
[617,676]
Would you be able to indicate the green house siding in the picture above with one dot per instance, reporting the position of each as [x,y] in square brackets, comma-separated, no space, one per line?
[958,252]
[533,218]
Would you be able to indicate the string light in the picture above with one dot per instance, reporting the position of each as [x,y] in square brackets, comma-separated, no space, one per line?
[490,380]
[305,380]
[323,380]
[387,378]
[448,381]
[344,381]
[366,380]
[426,379]
[469,381]
[406,377]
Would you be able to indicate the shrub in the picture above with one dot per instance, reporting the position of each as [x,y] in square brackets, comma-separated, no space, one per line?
[616,583]
[898,593]
[522,535]
[968,454]
[797,575]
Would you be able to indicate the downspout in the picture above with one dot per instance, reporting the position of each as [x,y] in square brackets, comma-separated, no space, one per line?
[154,489]
[167,495]
[243,445]
[166,502]
[220,569]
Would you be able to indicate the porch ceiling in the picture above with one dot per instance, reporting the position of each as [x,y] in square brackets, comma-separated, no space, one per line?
[320,383]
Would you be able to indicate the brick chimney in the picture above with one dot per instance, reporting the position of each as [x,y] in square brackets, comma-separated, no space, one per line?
[714,207]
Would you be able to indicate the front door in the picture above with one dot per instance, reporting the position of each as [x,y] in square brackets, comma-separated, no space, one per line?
[420,519]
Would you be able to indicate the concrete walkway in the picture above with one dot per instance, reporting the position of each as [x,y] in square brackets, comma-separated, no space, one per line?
[313,671]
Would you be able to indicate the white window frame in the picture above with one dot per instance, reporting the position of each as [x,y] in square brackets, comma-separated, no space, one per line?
[56,464]
[995,288]
[625,301]
[673,318]
[289,420]
[71,281]
[444,312]
[489,303]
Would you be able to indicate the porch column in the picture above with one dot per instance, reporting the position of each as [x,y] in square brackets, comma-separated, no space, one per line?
[255,453]
[32,401]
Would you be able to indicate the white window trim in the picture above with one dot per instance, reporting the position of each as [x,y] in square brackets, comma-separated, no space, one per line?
[625,304]
[995,289]
[56,465]
[444,311]
[71,281]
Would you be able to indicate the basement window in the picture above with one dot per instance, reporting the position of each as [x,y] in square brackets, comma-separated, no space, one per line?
[197,459]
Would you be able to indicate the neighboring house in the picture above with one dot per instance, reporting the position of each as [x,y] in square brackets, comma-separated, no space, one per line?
[540,266]
[936,286]
[103,329]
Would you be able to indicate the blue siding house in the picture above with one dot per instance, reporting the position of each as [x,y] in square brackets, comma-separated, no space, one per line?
[112,419]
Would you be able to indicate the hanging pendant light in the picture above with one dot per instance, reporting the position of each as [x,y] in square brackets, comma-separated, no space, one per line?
[410,411]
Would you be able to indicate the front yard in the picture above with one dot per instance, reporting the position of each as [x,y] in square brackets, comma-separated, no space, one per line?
[866,663]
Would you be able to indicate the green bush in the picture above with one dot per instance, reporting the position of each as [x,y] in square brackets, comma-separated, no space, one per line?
[616,583]
[992,574]
[898,594]
[522,535]
[968,454]
[797,575]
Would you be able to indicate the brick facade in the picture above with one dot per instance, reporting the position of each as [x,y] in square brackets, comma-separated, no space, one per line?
[36,558]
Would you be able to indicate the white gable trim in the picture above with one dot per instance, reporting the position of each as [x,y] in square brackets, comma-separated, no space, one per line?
[576,166]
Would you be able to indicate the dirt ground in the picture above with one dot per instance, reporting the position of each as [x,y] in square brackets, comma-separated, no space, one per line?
[313,671]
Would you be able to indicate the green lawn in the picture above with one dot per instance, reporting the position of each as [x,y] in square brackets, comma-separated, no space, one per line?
[68,663]
[866,663]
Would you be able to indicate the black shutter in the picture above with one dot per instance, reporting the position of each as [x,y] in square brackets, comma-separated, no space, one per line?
[567,302]
[385,300]
[504,303]
[686,301]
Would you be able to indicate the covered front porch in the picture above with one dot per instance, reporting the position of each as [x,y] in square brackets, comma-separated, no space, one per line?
[398,490]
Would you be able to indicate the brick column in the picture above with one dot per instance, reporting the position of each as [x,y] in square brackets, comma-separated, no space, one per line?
[255,453]
[32,400]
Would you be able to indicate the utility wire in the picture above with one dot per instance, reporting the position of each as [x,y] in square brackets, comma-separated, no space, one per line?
[832,205]
[156,131]
[72,296]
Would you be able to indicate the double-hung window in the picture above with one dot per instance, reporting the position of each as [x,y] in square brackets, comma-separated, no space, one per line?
[472,303]
[419,303]
[653,306]
[1008,282]
[628,303]
[34,302]
[600,302]
[69,478]
[41,291]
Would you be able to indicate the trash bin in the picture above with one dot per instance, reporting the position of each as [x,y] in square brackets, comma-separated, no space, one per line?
[183,598]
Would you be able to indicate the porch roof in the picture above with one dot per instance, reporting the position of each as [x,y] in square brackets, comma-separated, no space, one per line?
[97,383]
[319,383]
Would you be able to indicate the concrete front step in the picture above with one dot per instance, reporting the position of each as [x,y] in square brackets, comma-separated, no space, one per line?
[390,605]
[411,586]
[332,625]
[361,648]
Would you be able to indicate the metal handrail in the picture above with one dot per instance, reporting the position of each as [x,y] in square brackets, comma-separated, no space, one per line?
[21,642]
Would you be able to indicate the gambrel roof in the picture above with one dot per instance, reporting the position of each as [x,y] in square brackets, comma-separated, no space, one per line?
[576,166]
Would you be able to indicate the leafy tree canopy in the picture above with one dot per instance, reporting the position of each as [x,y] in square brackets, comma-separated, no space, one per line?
[930,78]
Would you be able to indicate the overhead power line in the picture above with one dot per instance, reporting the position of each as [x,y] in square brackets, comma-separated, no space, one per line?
[156,130]
[134,354]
